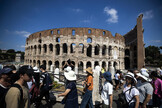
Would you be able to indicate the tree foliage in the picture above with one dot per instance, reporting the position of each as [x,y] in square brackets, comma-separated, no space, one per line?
[152,55]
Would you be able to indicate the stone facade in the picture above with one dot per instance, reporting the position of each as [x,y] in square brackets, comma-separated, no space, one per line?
[84,46]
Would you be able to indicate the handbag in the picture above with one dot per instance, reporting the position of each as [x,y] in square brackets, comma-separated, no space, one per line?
[52,98]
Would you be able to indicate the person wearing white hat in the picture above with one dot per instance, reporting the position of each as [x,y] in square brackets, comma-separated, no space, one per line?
[130,91]
[70,94]
[145,89]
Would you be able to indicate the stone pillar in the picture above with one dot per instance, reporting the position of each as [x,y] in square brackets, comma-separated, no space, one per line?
[100,52]
[42,50]
[112,70]
[92,63]
[95,95]
[84,67]
[85,50]
[48,50]
[56,72]
[93,51]
[61,49]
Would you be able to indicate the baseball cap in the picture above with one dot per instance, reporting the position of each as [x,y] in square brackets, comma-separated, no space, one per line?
[5,70]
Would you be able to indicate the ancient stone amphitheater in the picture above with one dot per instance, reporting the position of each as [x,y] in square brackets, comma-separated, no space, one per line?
[83,46]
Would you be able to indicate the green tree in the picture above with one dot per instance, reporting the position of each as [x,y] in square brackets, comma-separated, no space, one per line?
[11,51]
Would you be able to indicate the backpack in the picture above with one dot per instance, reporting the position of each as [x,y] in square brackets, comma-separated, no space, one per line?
[122,99]
[49,82]
[21,90]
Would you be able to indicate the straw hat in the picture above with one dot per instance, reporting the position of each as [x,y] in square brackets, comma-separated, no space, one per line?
[70,75]
[131,75]
[89,70]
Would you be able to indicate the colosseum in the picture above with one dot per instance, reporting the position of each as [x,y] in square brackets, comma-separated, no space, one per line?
[86,47]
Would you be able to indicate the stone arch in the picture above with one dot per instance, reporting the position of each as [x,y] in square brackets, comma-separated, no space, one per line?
[80,67]
[34,63]
[44,63]
[104,50]
[30,62]
[38,63]
[57,49]
[104,65]
[110,51]
[57,64]
[89,40]
[97,49]
[49,64]
[35,49]
[58,39]
[89,50]
[73,65]
[39,49]
[72,47]
[115,65]
[109,64]
[44,48]
[81,48]
[65,48]
[89,64]
[51,47]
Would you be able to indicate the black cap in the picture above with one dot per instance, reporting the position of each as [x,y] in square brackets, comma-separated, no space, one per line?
[26,69]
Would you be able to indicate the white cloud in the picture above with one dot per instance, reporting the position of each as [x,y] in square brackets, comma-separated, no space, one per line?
[22,33]
[86,21]
[156,41]
[148,14]
[77,10]
[22,46]
[112,13]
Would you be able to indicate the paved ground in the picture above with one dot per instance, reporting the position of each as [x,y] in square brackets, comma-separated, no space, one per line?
[59,105]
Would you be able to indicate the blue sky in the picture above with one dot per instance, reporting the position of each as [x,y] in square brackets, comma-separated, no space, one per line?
[19,18]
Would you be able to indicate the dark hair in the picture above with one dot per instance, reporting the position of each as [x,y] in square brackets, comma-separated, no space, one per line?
[43,67]
[26,69]
[13,67]
[154,73]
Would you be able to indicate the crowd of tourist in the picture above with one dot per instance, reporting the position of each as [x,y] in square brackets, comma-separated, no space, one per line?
[18,89]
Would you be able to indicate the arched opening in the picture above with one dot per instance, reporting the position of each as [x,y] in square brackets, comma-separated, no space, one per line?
[40,41]
[96,64]
[58,39]
[110,51]
[57,49]
[38,63]
[39,47]
[109,64]
[56,64]
[30,62]
[31,50]
[80,67]
[58,31]
[64,48]
[89,51]
[34,63]
[89,31]
[45,48]
[104,65]
[127,53]
[72,47]
[51,48]
[73,67]
[88,64]
[104,50]
[127,62]
[81,48]
[73,32]
[97,50]
[35,49]
[115,65]
[49,64]
[44,63]
[104,33]
[89,40]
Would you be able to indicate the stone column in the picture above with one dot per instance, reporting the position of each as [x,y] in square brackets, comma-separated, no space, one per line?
[61,49]
[68,49]
[42,50]
[112,70]
[84,67]
[57,71]
[48,50]
[93,51]
[92,64]
[100,52]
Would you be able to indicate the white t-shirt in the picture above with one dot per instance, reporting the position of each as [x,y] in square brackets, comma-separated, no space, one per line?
[144,70]
[106,91]
[129,96]
[116,76]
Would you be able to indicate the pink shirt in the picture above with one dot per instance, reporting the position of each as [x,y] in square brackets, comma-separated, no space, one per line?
[158,87]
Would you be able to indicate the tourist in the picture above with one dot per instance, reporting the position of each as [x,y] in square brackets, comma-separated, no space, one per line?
[143,69]
[145,89]
[70,94]
[159,73]
[117,80]
[18,95]
[68,63]
[87,97]
[107,91]
[5,82]
[157,85]
[130,91]
[44,90]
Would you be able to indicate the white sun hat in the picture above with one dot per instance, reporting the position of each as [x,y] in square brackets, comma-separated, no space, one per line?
[144,75]
[131,75]
[70,75]
[36,70]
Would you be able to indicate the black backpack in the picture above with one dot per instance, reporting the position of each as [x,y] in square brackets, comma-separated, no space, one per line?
[122,99]
[49,82]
